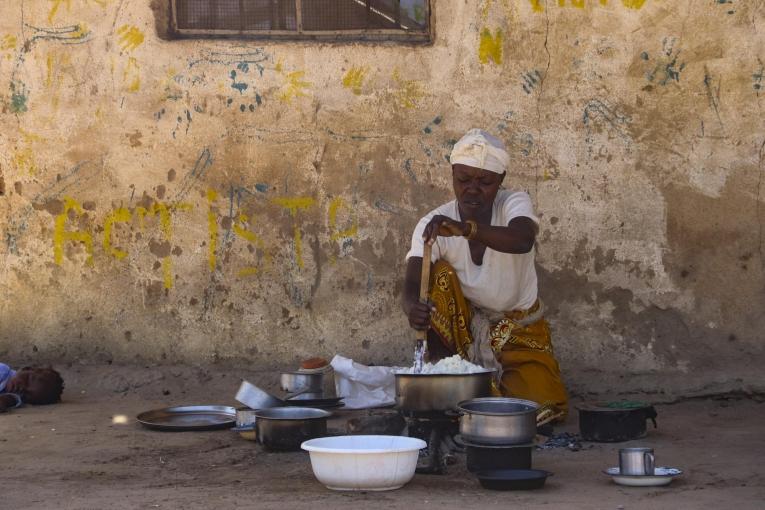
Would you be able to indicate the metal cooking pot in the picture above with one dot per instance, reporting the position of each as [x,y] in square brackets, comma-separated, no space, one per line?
[498,420]
[297,381]
[285,428]
[614,422]
[440,392]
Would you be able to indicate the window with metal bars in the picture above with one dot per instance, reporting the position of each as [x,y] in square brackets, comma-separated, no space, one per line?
[405,20]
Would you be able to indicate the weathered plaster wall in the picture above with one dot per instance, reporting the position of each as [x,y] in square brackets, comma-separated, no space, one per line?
[203,201]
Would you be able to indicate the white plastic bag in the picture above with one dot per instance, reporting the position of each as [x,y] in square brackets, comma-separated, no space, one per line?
[361,386]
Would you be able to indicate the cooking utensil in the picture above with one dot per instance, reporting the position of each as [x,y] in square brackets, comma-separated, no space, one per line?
[422,336]
[183,418]
[440,392]
[636,461]
[614,421]
[285,428]
[364,463]
[327,374]
[498,420]
[256,398]
[293,382]
[513,479]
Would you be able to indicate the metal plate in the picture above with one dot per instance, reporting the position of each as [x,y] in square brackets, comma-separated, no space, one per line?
[184,418]
[661,476]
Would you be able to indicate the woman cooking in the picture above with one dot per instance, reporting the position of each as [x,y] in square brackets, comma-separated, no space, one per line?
[483,289]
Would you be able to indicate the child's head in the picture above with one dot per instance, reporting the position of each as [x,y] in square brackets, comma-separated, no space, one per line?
[37,385]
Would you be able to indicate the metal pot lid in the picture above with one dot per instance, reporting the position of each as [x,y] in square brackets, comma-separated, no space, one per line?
[498,406]
[292,413]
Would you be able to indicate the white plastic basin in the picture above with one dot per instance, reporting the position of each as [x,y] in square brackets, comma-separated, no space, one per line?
[364,463]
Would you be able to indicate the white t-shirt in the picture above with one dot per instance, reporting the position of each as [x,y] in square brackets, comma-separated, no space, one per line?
[504,281]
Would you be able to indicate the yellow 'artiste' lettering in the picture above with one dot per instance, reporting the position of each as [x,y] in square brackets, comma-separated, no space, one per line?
[121,215]
[240,229]
[62,235]
[490,48]
[166,225]
[334,207]
[293,204]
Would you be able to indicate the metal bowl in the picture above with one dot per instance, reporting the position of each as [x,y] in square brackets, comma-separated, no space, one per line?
[440,392]
[498,420]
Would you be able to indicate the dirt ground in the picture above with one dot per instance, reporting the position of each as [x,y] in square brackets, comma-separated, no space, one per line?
[73,456]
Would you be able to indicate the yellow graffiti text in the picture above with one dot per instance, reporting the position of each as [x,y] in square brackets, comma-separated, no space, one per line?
[166,225]
[536,5]
[578,4]
[131,76]
[54,8]
[130,37]
[293,205]
[294,86]
[334,207]
[121,215]
[23,158]
[409,92]
[490,47]
[8,42]
[240,229]
[354,79]
[56,65]
[61,235]
[633,4]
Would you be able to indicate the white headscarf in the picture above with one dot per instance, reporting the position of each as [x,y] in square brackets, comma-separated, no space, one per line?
[479,149]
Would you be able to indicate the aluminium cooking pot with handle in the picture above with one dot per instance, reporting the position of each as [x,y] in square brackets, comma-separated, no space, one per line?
[498,420]
[440,392]
[614,422]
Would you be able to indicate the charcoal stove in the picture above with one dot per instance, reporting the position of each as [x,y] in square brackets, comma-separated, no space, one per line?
[437,429]
[427,403]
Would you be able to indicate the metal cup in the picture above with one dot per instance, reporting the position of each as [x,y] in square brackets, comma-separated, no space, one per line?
[636,461]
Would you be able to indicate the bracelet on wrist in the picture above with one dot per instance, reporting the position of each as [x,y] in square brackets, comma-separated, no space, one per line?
[473,231]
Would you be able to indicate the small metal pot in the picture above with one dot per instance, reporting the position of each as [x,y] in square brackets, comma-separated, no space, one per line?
[498,420]
[614,422]
[440,392]
[297,381]
[285,428]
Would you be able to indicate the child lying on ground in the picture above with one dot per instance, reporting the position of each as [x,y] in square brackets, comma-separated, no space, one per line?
[30,385]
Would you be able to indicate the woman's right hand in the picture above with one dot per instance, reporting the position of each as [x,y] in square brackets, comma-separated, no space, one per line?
[444,226]
[419,315]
